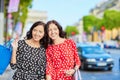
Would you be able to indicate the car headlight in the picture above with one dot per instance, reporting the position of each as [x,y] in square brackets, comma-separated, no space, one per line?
[109,60]
[90,60]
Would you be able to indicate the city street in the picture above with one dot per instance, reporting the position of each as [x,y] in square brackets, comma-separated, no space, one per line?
[90,23]
[104,74]
[88,74]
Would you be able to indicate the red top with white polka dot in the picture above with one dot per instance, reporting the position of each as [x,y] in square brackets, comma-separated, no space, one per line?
[61,57]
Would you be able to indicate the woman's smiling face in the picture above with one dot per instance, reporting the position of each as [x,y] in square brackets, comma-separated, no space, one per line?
[53,31]
[38,32]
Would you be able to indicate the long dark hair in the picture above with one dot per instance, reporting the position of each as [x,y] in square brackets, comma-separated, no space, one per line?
[62,34]
[29,33]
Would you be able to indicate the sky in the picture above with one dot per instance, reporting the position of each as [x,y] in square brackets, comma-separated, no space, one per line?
[66,12]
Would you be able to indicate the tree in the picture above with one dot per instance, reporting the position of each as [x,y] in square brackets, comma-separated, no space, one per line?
[71,30]
[111,19]
[91,23]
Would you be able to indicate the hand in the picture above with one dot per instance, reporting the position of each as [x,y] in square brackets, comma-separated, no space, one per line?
[70,72]
[48,77]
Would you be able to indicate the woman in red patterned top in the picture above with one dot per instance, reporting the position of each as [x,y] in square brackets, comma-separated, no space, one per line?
[62,56]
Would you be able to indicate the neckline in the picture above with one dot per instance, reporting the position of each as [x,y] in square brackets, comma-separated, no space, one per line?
[59,43]
[30,45]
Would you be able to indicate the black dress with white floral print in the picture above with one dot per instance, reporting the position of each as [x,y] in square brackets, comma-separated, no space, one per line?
[31,62]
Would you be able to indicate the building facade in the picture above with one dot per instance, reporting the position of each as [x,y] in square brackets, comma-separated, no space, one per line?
[98,11]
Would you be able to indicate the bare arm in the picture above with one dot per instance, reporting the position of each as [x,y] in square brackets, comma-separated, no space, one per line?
[13,58]
[14,45]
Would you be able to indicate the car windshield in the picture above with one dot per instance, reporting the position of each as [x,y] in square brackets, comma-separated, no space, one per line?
[92,49]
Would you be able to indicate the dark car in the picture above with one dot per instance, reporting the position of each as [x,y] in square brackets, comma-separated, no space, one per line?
[94,57]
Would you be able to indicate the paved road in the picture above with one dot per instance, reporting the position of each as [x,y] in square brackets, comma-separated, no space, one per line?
[100,75]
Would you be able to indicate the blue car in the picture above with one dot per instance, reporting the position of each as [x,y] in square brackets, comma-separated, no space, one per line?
[94,57]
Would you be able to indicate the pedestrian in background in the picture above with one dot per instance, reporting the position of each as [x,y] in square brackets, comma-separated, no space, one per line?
[28,57]
[61,53]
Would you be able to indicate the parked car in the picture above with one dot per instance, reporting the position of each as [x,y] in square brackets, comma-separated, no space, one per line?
[111,44]
[94,57]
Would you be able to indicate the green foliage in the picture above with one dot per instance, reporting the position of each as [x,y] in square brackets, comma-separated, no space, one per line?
[90,23]
[111,19]
[70,29]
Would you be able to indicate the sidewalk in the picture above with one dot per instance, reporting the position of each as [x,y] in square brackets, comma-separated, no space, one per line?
[7,75]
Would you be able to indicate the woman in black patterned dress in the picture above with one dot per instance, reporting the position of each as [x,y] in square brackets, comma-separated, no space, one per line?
[28,57]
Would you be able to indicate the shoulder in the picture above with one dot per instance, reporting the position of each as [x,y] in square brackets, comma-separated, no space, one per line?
[49,47]
[70,41]
[21,42]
